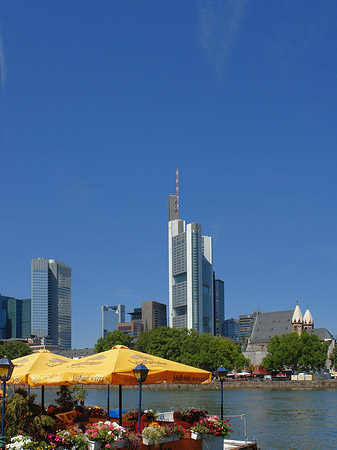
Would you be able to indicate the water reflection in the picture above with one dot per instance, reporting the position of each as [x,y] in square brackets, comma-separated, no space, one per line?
[280,419]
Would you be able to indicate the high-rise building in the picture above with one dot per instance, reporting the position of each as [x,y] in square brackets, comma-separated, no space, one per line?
[246,324]
[190,273]
[232,328]
[51,302]
[153,315]
[15,318]
[110,317]
[219,306]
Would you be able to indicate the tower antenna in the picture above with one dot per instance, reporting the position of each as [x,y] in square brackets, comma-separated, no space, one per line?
[177,193]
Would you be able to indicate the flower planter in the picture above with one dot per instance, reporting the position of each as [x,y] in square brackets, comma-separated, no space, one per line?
[211,442]
[162,441]
[94,445]
[121,443]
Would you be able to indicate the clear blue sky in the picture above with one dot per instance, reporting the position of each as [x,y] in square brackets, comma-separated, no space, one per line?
[100,101]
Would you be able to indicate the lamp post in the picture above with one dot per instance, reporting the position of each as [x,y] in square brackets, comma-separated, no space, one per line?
[6,370]
[140,372]
[222,372]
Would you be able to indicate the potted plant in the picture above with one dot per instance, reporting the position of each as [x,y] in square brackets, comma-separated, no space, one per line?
[153,435]
[193,415]
[106,434]
[174,431]
[212,431]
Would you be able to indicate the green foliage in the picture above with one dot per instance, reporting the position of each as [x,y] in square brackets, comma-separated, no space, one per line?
[111,339]
[291,351]
[20,414]
[14,350]
[333,357]
[79,394]
[187,347]
[65,399]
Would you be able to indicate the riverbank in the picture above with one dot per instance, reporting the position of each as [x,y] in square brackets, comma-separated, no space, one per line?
[227,385]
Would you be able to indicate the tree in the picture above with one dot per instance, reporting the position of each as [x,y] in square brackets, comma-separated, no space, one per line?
[14,350]
[291,351]
[204,351]
[112,339]
[333,357]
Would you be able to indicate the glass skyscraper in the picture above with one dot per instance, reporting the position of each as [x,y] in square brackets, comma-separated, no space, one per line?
[51,302]
[110,317]
[190,274]
[219,307]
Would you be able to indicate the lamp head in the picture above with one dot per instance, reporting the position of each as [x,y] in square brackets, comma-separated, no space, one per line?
[140,372]
[6,369]
[222,372]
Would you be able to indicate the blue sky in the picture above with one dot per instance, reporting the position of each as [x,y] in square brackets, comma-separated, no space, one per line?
[101,101]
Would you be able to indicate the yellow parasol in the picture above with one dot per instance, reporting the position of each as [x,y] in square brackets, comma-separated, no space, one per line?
[35,363]
[115,367]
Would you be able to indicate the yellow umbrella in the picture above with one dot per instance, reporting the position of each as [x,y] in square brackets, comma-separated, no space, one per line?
[35,362]
[115,367]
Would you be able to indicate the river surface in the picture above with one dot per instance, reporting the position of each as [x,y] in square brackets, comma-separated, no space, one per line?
[280,419]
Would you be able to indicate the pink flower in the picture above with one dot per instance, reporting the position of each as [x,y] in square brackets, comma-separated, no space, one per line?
[107,445]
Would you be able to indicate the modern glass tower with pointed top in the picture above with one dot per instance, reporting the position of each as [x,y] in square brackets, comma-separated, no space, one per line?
[190,274]
[51,301]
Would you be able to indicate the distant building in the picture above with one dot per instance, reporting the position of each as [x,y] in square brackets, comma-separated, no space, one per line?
[219,306]
[232,329]
[132,328]
[51,302]
[110,317]
[267,325]
[153,315]
[190,273]
[14,318]
[246,325]
[136,315]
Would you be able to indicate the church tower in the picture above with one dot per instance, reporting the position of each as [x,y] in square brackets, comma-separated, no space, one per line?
[297,320]
[308,321]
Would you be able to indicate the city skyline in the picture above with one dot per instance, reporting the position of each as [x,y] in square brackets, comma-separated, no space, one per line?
[100,103]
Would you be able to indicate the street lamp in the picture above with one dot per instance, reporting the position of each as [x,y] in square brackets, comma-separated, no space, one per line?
[222,372]
[140,372]
[6,370]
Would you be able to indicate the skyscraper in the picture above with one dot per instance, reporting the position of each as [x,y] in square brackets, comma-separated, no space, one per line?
[110,317]
[190,273]
[51,302]
[153,315]
[219,307]
[15,318]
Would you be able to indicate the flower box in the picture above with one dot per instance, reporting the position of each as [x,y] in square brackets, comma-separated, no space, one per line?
[121,443]
[211,442]
[162,441]
[94,445]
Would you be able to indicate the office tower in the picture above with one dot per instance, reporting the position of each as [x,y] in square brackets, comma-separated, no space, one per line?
[190,273]
[51,302]
[219,306]
[232,329]
[15,318]
[110,317]
[246,324]
[3,317]
[153,315]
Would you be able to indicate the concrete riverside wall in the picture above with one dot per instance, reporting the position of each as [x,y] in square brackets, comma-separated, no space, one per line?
[214,385]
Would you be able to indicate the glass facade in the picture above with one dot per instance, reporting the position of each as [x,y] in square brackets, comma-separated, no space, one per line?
[51,302]
[110,317]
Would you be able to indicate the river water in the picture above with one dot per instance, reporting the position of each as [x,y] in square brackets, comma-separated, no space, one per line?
[282,419]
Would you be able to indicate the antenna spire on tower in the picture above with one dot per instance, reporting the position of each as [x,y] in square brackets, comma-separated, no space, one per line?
[177,193]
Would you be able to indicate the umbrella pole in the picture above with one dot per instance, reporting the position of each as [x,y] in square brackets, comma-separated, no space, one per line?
[108,401]
[120,405]
[42,399]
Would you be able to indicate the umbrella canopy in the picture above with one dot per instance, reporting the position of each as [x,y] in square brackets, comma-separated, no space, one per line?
[116,366]
[35,363]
